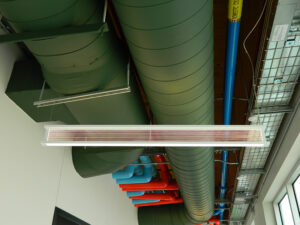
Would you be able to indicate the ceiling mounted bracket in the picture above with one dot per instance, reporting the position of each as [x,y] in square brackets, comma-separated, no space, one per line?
[53,33]
[86,96]
[58,32]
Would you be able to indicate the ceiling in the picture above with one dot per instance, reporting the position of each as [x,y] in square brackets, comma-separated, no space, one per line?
[243,93]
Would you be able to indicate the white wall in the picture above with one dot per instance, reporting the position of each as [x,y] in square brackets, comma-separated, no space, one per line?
[35,179]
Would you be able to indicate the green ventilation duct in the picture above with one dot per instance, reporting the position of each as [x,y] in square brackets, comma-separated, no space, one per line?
[117,109]
[171,43]
[72,65]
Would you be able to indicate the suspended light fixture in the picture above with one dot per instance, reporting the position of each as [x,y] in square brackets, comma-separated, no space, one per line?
[155,135]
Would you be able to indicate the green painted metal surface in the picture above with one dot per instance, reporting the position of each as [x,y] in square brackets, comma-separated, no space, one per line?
[52,33]
[70,64]
[172,46]
[168,215]
[77,64]
[25,87]
[97,161]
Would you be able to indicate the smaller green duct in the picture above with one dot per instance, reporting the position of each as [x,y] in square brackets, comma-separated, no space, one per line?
[70,64]
[164,215]
[117,109]
[91,162]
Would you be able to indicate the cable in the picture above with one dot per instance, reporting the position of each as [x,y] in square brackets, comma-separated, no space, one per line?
[248,35]
[248,55]
[42,91]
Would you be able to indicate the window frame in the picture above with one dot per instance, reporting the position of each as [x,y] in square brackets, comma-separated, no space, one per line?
[289,190]
[298,202]
[58,212]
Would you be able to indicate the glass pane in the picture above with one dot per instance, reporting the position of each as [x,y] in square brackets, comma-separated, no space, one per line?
[285,211]
[297,191]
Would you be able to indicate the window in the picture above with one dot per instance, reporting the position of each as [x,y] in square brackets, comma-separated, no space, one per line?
[286,211]
[63,218]
[287,203]
[296,187]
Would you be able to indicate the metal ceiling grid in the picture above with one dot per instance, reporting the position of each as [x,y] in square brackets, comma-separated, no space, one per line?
[275,87]
[255,158]
[239,211]
[247,183]
[279,74]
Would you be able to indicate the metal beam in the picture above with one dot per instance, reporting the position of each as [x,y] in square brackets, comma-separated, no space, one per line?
[233,98]
[154,151]
[160,151]
[85,96]
[81,97]
[159,163]
[58,32]
[251,171]
[148,164]
[242,202]
[223,201]
[241,196]
[241,220]
[272,109]
[228,201]
[223,209]
[226,162]
[228,149]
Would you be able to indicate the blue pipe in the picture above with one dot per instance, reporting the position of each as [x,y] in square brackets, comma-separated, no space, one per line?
[129,171]
[231,55]
[217,212]
[135,193]
[142,201]
[233,29]
[140,193]
[149,172]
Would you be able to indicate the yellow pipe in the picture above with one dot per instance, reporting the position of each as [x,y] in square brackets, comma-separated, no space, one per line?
[235,10]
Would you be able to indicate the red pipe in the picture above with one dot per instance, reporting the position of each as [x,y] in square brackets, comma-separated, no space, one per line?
[171,187]
[213,222]
[166,196]
[176,194]
[157,185]
[176,201]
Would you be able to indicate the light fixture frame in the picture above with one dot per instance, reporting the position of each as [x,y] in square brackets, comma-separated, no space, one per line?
[81,129]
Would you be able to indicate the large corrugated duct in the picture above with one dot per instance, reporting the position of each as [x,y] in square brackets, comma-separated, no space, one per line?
[77,64]
[172,46]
